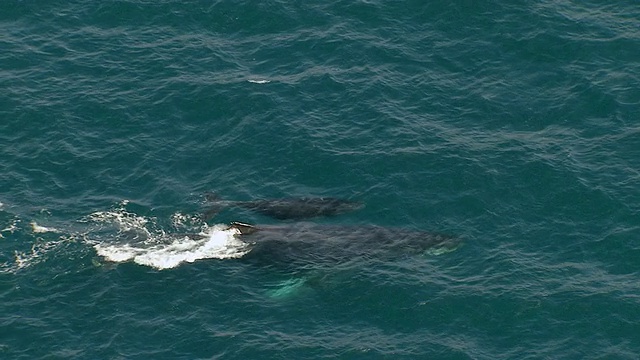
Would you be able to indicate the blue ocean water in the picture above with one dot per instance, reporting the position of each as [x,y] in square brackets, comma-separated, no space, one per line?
[512,128]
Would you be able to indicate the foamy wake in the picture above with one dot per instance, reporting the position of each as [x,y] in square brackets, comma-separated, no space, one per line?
[142,240]
[219,243]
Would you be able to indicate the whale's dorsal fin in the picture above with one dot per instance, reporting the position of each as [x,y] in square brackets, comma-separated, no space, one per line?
[244,229]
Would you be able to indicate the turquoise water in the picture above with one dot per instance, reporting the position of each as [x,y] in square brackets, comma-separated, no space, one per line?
[511,127]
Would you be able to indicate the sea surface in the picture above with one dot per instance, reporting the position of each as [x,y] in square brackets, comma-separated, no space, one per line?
[512,127]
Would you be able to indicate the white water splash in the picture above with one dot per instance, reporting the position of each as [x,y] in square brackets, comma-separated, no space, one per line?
[180,220]
[125,220]
[219,243]
[142,240]
[41,229]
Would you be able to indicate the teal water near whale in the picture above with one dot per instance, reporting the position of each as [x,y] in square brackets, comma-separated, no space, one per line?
[513,127]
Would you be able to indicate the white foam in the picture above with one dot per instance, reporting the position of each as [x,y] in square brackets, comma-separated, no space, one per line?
[37,253]
[142,240]
[41,229]
[124,219]
[259,81]
[180,220]
[218,243]
[12,227]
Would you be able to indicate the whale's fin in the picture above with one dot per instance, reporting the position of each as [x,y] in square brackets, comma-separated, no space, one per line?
[245,229]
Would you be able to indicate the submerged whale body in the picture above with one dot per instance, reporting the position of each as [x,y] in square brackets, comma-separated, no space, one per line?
[320,243]
[287,208]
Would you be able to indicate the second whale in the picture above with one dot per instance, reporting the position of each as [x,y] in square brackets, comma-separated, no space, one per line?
[285,208]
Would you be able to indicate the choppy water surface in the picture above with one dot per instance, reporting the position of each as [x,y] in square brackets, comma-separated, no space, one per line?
[511,128]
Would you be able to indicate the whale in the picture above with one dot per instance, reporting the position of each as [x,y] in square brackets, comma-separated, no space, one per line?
[304,242]
[285,208]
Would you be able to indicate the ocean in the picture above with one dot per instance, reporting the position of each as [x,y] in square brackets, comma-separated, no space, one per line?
[509,128]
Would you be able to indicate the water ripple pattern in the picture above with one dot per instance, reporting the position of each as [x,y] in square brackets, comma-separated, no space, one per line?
[509,127]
